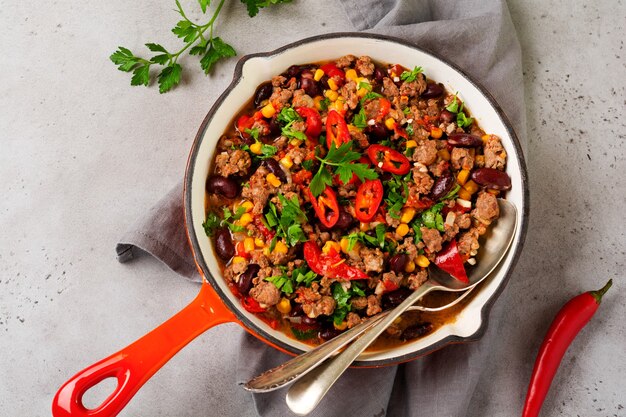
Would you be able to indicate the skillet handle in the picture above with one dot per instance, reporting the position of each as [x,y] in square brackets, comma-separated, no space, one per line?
[136,363]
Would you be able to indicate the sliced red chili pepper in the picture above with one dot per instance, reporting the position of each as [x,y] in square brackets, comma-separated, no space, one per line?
[450,261]
[419,203]
[331,71]
[313,121]
[368,199]
[251,305]
[400,131]
[241,251]
[301,177]
[331,265]
[326,206]
[388,160]
[336,129]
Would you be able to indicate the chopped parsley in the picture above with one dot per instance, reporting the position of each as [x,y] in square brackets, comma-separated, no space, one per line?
[461,118]
[360,119]
[214,222]
[289,116]
[409,76]
[432,217]
[342,159]
[342,298]
[365,85]
[377,241]
[397,192]
[324,104]
[286,283]
[287,223]
[369,96]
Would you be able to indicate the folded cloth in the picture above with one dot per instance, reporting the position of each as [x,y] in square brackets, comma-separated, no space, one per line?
[479,37]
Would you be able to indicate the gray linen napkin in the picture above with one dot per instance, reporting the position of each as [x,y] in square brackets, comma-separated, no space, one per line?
[479,37]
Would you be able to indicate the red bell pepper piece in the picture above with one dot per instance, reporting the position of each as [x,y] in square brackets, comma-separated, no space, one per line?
[313,121]
[450,261]
[383,109]
[388,160]
[332,71]
[326,206]
[331,264]
[419,203]
[336,130]
[568,322]
[301,177]
[246,122]
[368,199]
[251,305]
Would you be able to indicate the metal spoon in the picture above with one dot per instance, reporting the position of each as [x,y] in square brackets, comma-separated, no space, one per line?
[305,394]
[299,366]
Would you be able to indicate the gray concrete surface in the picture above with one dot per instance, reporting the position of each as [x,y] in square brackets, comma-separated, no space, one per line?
[82,154]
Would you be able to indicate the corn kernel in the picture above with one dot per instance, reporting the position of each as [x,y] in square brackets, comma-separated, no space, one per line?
[329,245]
[238,259]
[280,247]
[422,261]
[248,244]
[318,74]
[403,229]
[494,192]
[407,215]
[410,144]
[351,75]
[268,111]
[464,194]
[266,251]
[343,325]
[344,243]
[444,154]
[332,84]
[248,205]
[286,161]
[485,138]
[364,227]
[410,267]
[284,306]
[471,187]
[331,95]
[361,92]
[255,148]
[463,176]
[258,242]
[338,105]
[245,219]
[436,133]
[295,142]
[390,123]
[273,180]
[317,101]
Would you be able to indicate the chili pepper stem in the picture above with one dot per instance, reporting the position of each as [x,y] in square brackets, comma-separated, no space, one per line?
[599,293]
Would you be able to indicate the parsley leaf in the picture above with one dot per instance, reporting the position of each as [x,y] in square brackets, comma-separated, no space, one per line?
[299,276]
[324,104]
[369,96]
[342,159]
[288,115]
[365,85]
[342,298]
[288,222]
[254,5]
[453,106]
[253,132]
[432,217]
[360,119]
[213,221]
[410,76]
[397,193]
[463,121]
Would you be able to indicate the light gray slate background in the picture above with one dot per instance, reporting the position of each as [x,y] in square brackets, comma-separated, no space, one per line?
[82,154]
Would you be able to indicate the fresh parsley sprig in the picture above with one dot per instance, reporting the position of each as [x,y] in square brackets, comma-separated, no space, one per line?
[410,76]
[343,300]
[342,160]
[286,283]
[288,222]
[211,48]
[213,221]
[289,116]
[461,118]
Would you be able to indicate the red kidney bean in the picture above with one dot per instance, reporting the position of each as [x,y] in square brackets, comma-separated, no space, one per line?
[224,245]
[263,92]
[464,140]
[398,262]
[275,169]
[309,85]
[379,74]
[344,222]
[394,298]
[447,116]
[224,186]
[492,178]
[324,82]
[245,279]
[416,330]
[377,132]
[328,333]
[433,90]
[442,186]
[274,126]
[308,320]
[307,73]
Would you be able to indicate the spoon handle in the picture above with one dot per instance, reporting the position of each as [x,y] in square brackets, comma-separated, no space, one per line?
[305,394]
[300,365]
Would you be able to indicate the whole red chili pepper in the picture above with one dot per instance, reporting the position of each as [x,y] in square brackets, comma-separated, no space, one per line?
[572,317]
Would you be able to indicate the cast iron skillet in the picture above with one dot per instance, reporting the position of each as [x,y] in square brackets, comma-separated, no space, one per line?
[215,304]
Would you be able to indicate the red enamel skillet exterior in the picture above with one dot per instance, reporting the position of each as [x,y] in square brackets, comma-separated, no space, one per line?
[135,364]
